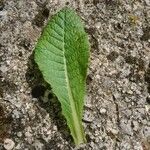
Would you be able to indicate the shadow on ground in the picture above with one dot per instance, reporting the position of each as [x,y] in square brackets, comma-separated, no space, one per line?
[39,87]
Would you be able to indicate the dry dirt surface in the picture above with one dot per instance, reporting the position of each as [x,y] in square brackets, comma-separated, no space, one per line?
[117,108]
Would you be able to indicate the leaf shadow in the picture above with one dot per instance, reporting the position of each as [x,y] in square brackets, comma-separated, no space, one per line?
[38,87]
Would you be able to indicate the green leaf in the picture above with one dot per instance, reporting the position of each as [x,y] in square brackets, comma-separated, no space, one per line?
[62,54]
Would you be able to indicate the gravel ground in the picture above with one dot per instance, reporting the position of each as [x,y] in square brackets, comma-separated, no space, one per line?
[118,84]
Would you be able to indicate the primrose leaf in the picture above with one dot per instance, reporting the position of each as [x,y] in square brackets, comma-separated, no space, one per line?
[62,54]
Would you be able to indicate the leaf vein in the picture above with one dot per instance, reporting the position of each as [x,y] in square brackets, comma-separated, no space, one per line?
[53,45]
[54,37]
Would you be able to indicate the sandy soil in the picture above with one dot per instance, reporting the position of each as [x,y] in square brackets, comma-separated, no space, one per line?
[117,114]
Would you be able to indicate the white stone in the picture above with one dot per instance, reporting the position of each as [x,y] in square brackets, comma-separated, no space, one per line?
[136,125]
[9,144]
[130,92]
[19,134]
[97,76]
[147,2]
[3,69]
[3,13]
[103,110]
[98,25]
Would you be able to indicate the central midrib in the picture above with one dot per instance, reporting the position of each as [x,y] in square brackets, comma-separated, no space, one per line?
[76,122]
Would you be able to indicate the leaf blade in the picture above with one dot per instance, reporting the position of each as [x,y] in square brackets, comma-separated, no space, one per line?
[64,46]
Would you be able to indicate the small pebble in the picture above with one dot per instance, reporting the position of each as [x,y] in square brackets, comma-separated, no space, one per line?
[130,92]
[88,117]
[103,110]
[19,134]
[3,69]
[98,25]
[9,144]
